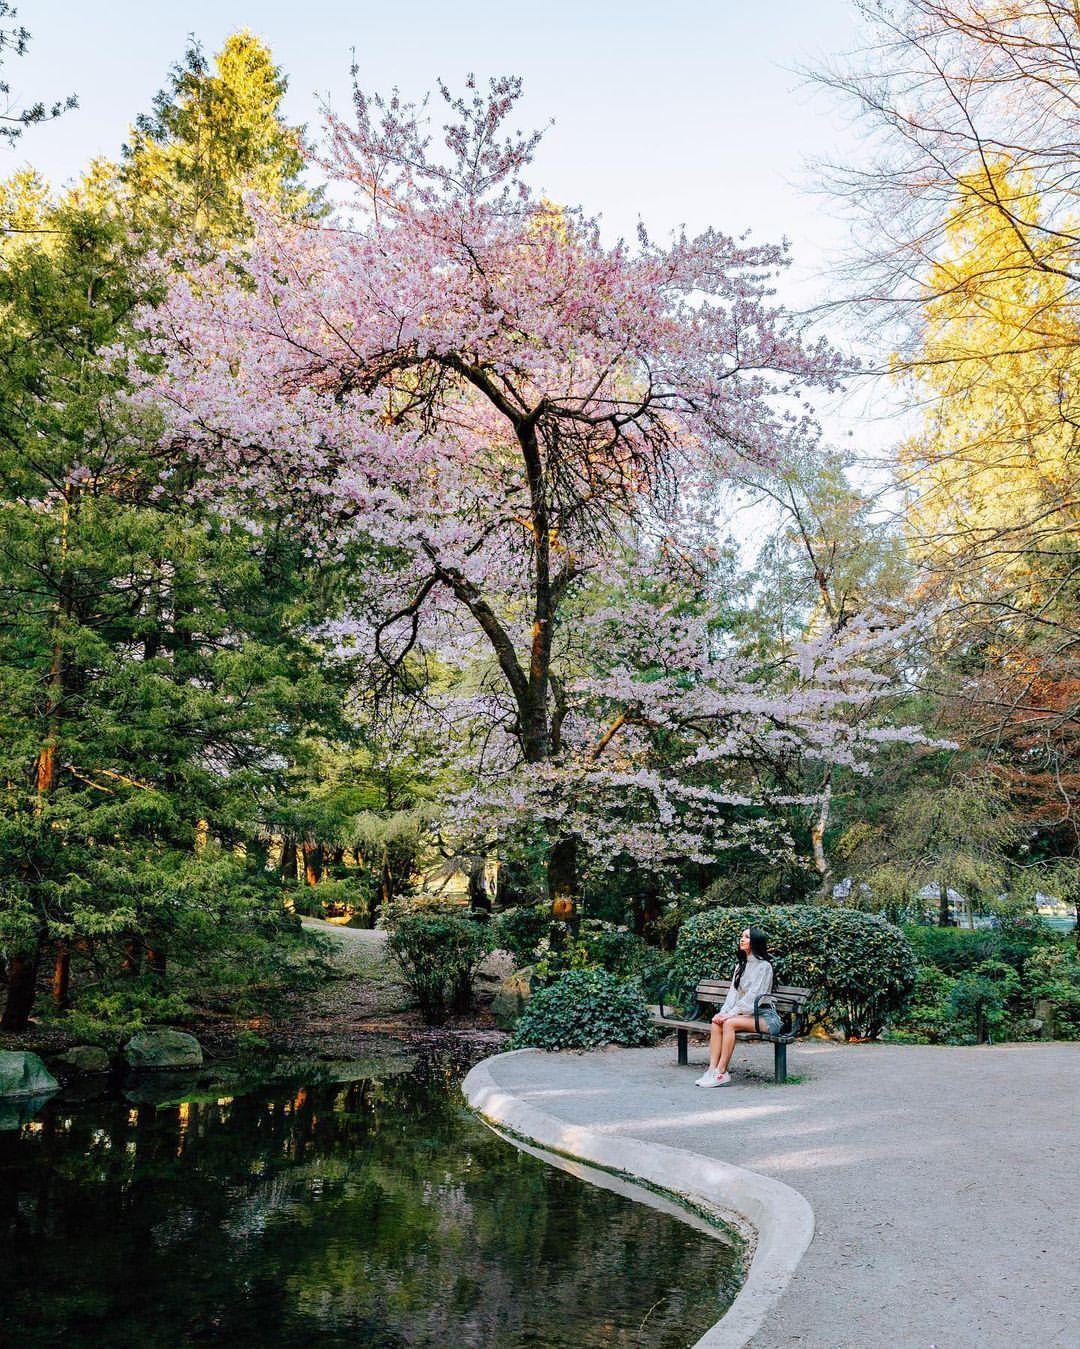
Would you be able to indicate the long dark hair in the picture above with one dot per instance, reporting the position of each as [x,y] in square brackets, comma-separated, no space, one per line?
[759,946]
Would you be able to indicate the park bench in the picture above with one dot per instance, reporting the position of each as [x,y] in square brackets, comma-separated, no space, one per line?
[790,1004]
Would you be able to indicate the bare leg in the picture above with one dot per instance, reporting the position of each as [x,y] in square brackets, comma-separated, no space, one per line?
[727,1039]
[715,1038]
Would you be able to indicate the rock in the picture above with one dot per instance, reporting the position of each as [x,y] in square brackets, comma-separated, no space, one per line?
[163,1049]
[85,1059]
[1044,1015]
[494,970]
[15,1111]
[513,995]
[24,1074]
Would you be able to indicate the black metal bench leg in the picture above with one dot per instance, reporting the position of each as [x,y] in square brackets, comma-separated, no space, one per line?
[780,1063]
[683,1040]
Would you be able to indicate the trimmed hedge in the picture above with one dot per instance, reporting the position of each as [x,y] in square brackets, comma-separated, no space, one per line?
[581,1010]
[859,968]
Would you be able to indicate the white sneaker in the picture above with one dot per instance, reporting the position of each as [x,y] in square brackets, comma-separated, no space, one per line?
[707,1078]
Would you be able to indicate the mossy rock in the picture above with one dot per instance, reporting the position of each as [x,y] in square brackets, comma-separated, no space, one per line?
[512,998]
[84,1059]
[163,1049]
[24,1074]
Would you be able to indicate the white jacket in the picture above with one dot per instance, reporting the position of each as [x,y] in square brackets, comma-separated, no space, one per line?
[757,979]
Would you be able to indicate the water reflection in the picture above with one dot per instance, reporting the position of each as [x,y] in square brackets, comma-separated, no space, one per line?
[375,1212]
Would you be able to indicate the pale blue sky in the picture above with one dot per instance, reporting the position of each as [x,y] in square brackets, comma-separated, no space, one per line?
[687,112]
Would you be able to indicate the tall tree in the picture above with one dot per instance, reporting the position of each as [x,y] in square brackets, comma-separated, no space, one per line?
[509,410]
[214,135]
[994,496]
[158,666]
[972,206]
[154,666]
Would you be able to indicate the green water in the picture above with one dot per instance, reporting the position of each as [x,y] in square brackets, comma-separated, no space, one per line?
[374,1212]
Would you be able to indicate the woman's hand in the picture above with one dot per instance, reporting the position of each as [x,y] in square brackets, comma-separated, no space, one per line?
[719,1018]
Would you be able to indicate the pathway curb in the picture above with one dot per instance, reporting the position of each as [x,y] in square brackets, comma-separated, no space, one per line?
[781,1219]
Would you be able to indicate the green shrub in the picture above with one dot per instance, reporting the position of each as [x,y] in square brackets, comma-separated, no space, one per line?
[979,998]
[928,1017]
[533,937]
[583,1009]
[1054,974]
[859,968]
[952,949]
[439,955]
[597,946]
[521,930]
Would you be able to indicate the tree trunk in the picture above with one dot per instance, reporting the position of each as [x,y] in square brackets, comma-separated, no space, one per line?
[61,980]
[386,882]
[817,837]
[155,957]
[287,860]
[132,962]
[562,879]
[22,982]
[943,904]
[258,855]
[478,893]
[313,863]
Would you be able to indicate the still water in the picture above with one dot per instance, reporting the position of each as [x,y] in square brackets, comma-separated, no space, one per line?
[311,1211]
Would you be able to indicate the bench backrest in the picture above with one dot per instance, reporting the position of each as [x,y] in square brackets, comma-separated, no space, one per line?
[716,990]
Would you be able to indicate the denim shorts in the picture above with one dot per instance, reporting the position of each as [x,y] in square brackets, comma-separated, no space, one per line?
[769,1020]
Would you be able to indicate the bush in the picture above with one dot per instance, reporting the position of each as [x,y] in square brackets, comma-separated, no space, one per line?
[1054,974]
[583,1009]
[952,949]
[597,946]
[438,955]
[978,999]
[533,937]
[859,968]
[521,930]
[928,1017]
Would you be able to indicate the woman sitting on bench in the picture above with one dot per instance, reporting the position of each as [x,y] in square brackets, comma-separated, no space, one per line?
[753,978]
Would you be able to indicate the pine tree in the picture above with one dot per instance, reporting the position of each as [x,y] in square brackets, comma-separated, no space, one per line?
[214,135]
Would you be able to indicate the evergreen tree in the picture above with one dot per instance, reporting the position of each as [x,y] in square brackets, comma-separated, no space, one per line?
[157,670]
[214,135]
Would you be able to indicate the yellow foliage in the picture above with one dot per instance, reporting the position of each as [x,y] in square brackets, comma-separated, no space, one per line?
[993,473]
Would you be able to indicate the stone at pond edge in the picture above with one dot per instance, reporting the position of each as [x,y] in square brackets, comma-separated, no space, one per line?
[24,1074]
[509,1003]
[494,969]
[15,1111]
[163,1049]
[84,1059]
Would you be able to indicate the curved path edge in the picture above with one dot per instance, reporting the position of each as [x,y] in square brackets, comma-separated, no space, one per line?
[781,1219]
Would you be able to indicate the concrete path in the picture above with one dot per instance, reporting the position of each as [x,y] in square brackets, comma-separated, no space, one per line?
[944,1182]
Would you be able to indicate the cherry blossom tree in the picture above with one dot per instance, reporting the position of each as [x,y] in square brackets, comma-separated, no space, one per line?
[528,428]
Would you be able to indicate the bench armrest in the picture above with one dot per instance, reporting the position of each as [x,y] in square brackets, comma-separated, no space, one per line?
[762,1000]
[794,1011]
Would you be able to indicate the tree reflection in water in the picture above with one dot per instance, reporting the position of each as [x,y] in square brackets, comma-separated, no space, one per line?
[375,1213]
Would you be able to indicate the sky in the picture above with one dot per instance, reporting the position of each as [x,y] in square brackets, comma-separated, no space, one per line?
[687,113]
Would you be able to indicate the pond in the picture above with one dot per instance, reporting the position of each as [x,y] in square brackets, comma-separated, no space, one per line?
[354,1204]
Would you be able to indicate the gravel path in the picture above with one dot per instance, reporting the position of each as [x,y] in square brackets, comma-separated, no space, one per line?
[943,1180]
[351,938]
